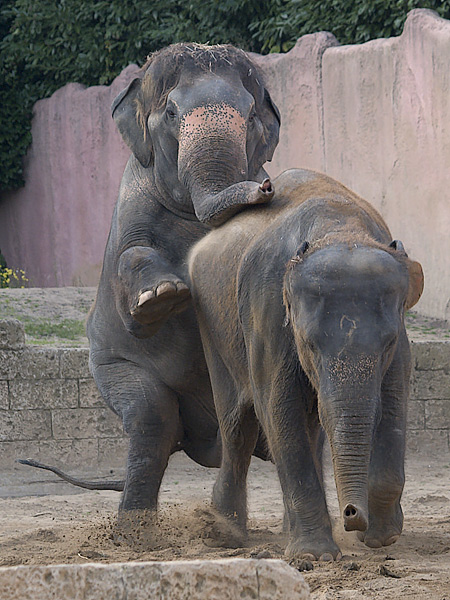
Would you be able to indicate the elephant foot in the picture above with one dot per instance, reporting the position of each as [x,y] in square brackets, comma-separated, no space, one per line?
[230,502]
[383,530]
[313,548]
[166,298]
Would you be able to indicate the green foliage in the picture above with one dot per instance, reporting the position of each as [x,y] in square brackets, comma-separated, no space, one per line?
[45,44]
[351,21]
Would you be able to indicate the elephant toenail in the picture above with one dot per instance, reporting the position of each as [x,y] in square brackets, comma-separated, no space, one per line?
[391,540]
[309,556]
[326,556]
[164,288]
[145,296]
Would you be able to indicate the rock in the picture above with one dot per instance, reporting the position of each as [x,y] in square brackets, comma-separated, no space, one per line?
[225,579]
[12,334]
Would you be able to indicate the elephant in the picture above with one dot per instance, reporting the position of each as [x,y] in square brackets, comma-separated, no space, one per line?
[200,124]
[301,309]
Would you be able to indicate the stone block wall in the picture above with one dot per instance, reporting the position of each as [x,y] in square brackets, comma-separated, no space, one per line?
[50,409]
[429,405]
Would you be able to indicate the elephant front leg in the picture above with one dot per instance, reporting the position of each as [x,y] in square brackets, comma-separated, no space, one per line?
[239,435]
[239,430]
[308,521]
[150,292]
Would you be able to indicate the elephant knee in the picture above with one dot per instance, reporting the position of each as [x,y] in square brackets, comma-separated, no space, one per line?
[152,423]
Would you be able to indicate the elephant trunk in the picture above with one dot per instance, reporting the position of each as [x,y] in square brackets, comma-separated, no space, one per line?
[350,424]
[212,164]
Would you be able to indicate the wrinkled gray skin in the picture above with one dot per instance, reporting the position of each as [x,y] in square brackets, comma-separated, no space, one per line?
[301,311]
[200,125]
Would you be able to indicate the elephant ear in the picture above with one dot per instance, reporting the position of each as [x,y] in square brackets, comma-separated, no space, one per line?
[125,114]
[416,282]
[271,121]
[415,273]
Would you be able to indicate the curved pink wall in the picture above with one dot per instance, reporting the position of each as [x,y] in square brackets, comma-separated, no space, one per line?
[57,225]
[387,136]
[375,116]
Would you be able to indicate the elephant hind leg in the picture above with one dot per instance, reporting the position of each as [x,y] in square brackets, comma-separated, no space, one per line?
[150,416]
[239,430]
[239,436]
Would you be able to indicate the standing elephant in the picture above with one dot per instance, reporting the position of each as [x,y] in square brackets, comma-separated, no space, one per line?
[301,310]
[201,125]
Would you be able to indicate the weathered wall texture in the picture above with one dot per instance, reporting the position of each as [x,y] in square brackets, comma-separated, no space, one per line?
[375,116]
[223,579]
[57,225]
[50,408]
[387,136]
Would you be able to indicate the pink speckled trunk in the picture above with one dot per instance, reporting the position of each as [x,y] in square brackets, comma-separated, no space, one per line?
[212,163]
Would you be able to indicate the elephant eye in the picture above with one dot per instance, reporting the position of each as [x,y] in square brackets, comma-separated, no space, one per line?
[171,114]
[252,117]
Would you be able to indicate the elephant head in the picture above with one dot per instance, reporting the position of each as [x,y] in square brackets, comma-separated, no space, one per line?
[203,122]
[346,303]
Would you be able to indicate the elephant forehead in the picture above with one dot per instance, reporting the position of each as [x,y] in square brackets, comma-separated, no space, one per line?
[213,119]
[353,264]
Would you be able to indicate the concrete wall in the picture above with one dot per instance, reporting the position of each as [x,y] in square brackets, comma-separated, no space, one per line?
[50,409]
[56,227]
[375,116]
[222,579]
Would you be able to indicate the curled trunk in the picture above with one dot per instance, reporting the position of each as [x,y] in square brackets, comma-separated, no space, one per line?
[214,169]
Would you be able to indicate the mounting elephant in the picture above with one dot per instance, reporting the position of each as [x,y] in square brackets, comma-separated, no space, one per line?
[201,125]
[301,310]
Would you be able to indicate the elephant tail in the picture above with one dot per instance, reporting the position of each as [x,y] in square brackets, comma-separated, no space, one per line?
[117,486]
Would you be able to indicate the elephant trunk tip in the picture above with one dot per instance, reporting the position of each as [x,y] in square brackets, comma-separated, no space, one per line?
[355,519]
[266,186]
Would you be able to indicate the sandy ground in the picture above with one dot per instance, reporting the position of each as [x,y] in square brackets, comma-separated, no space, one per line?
[71,527]
[79,528]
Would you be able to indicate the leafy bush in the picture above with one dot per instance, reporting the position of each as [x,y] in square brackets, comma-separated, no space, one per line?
[45,44]
[351,21]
